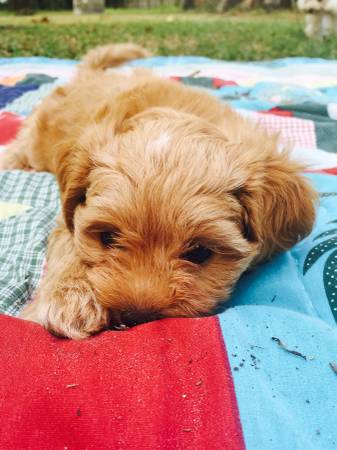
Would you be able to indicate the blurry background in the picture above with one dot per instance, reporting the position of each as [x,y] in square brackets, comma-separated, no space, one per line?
[226,29]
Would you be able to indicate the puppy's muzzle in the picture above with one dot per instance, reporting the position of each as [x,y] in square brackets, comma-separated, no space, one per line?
[132,318]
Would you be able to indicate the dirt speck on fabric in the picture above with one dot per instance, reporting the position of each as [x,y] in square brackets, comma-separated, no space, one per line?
[333,367]
[78,412]
[255,360]
[187,430]
[255,346]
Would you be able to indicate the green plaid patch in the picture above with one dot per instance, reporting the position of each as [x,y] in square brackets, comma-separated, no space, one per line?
[23,236]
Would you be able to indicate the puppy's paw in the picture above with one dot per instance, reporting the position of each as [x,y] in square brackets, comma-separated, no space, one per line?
[12,160]
[70,311]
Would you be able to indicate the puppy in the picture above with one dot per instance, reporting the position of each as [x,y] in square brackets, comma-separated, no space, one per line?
[168,196]
[320,17]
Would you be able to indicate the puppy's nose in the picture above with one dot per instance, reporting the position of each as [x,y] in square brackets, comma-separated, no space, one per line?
[136,317]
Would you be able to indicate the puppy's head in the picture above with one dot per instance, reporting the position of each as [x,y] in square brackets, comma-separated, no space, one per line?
[167,215]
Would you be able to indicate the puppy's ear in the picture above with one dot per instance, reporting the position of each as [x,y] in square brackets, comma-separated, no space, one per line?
[72,174]
[278,204]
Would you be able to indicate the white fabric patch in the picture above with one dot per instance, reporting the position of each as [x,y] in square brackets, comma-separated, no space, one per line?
[314,159]
[332,110]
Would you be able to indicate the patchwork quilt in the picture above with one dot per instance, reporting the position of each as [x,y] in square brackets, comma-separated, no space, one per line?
[261,374]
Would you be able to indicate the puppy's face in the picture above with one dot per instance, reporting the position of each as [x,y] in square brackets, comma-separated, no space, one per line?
[167,214]
[160,231]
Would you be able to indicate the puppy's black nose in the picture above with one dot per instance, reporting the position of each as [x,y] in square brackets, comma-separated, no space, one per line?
[136,317]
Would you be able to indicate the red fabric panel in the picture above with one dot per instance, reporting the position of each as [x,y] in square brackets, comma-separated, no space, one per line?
[163,385]
[331,171]
[278,112]
[175,78]
[9,126]
[219,83]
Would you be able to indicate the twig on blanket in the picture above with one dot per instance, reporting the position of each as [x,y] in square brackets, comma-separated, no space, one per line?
[293,352]
[327,194]
[70,386]
[333,367]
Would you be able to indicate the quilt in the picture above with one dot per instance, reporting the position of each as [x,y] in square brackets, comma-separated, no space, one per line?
[261,374]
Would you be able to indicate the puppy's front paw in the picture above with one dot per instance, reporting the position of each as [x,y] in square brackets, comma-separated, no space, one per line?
[12,160]
[69,311]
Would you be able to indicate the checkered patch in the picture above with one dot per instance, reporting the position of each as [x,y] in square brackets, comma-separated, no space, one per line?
[29,202]
[24,234]
[293,131]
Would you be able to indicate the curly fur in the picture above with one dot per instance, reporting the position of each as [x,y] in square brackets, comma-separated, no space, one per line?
[165,165]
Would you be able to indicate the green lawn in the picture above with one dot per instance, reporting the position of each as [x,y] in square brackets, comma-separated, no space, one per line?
[236,36]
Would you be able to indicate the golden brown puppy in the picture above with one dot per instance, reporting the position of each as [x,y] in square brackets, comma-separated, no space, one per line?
[167,195]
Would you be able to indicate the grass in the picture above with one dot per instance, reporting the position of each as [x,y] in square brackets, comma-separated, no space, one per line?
[236,36]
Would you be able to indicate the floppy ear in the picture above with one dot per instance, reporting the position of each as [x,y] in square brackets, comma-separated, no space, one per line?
[278,204]
[72,173]
[76,157]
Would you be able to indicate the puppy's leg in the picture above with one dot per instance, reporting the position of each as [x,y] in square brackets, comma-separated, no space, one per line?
[65,303]
[36,143]
[16,156]
[25,152]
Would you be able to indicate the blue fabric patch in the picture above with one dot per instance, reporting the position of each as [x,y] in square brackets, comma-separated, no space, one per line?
[282,282]
[287,401]
[38,60]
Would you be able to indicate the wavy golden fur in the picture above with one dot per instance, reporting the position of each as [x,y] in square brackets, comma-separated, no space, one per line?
[168,196]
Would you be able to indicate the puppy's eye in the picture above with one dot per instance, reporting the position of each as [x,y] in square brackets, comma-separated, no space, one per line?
[109,238]
[199,254]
